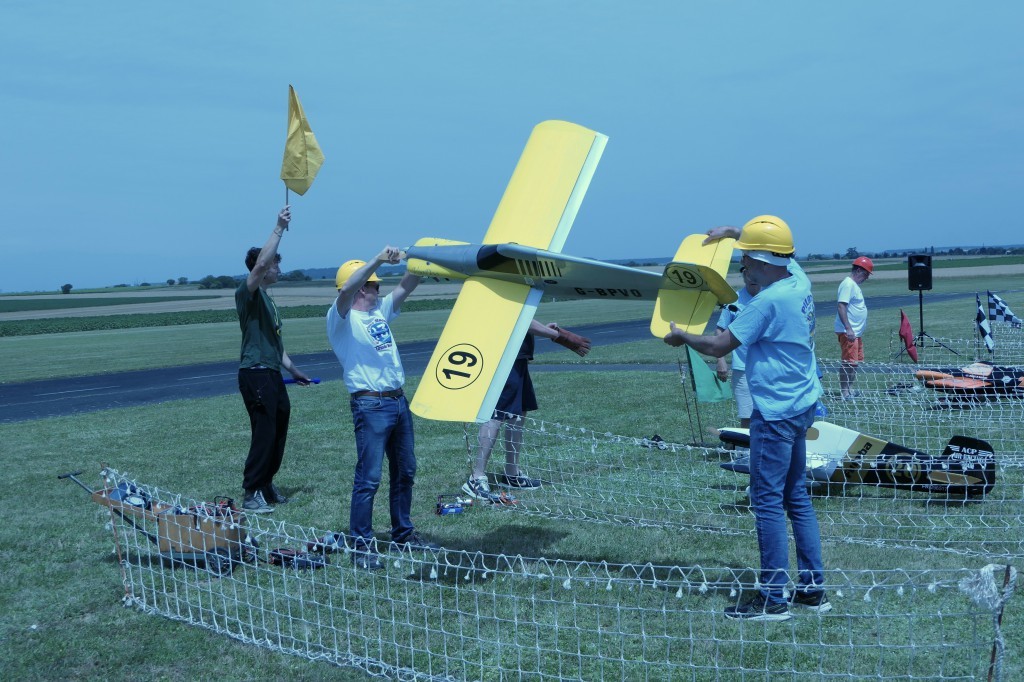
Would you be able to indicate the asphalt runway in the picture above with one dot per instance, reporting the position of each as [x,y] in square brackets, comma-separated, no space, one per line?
[75,395]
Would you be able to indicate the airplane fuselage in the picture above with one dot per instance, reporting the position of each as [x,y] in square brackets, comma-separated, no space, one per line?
[557,274]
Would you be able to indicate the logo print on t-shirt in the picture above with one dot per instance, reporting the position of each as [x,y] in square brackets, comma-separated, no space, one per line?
[380,332]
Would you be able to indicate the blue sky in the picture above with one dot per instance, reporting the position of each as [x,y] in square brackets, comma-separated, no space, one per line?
[143,141]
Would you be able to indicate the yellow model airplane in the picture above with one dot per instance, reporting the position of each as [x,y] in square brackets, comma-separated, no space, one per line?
[520,260]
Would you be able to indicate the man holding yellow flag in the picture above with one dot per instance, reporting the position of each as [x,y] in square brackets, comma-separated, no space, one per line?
[259,372]
[263,355]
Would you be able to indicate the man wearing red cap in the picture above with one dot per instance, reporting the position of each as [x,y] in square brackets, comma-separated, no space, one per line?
[851,321]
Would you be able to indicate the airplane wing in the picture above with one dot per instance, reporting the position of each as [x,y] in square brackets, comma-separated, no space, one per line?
[692,285]
[479,344]
[827,445]
[547,187]
[474,355]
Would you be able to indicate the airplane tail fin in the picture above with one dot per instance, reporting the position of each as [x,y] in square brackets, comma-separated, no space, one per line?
[967,467]
[693,284]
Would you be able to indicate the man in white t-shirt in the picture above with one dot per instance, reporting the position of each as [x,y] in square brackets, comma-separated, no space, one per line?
[851,321]
[359,332]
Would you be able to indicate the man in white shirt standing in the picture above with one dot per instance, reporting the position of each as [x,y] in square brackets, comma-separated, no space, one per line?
[359,332]
[851,321]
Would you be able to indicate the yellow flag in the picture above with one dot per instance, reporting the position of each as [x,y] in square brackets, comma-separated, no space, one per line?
[302,155]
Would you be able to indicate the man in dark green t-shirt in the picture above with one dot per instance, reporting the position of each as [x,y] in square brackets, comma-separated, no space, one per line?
[259,372]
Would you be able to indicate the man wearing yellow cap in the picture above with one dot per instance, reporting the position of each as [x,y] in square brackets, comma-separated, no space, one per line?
[777,328]
[359,332]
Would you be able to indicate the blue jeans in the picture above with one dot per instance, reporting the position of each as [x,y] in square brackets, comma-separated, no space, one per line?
[778,487]
[382,426]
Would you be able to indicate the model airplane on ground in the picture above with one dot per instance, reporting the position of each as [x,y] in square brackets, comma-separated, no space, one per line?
[979,379]
[520,260]
[839,455]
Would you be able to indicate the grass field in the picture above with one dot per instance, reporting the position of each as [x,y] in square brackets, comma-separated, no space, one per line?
[61,588]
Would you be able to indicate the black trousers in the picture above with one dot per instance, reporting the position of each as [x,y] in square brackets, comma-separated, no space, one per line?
[266,401]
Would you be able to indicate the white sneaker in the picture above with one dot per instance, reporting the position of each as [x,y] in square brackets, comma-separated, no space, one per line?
[479,489]
[256,503]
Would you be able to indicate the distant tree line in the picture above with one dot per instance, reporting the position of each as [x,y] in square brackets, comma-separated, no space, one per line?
[853,252]
[229,282]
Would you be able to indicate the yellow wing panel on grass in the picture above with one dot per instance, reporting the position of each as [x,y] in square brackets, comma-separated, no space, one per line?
[693,284]
[474,355]
[547,187]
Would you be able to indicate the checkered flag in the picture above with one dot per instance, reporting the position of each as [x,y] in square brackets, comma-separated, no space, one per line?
[983,328]
[1000,312]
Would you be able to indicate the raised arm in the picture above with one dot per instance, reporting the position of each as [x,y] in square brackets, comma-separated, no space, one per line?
[269,251]
[405,287]
[348,290]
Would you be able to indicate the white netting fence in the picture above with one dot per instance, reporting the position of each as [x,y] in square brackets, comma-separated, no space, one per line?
[892,404]
[457,615]
[617,479]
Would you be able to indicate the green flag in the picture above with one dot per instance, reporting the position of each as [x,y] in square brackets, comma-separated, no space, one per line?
[706,384]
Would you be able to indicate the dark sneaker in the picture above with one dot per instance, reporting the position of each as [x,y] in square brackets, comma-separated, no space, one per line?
[256,503]
[520,481]
[416,543]
[366,559]
[478,488]
[759,609]
[273,495]
[654,441]
[812,601]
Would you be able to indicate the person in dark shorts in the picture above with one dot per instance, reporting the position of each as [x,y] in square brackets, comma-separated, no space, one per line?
[517,398]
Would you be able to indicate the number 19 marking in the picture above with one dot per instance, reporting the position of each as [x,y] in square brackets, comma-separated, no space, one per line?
[459,366]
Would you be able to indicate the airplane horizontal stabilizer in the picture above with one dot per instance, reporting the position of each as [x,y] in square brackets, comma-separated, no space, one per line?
[692,285]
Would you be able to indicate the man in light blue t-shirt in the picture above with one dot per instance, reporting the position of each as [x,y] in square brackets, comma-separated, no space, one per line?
[777,328]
